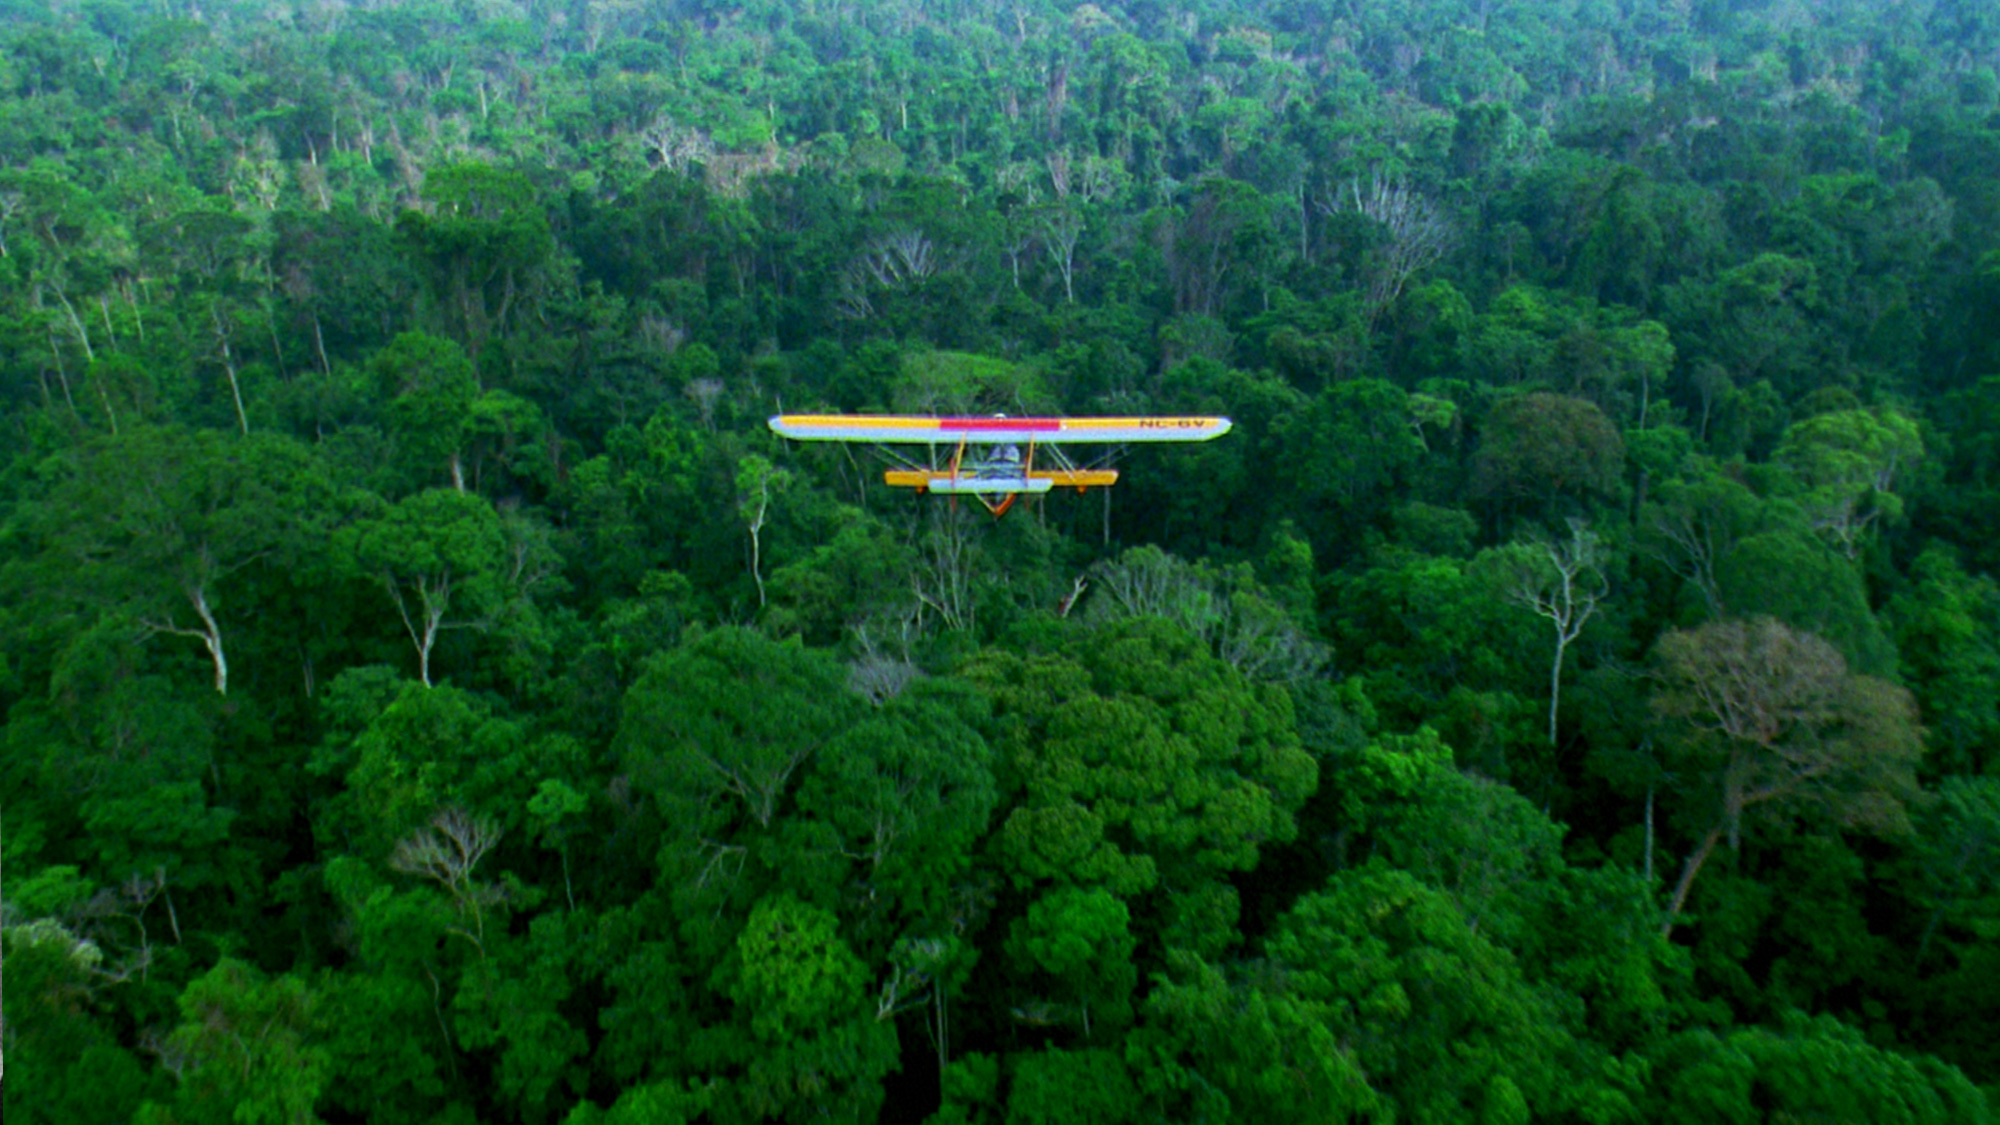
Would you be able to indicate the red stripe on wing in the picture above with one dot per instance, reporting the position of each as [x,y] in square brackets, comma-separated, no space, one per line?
[1046,425]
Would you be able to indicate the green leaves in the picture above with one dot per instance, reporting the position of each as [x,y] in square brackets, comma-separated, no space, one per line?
[390,1054]
[64,1061]
[1082,940]
[1058,1087]
[327,331]
[1141,755]
[1847,463]
[1807,1067]
[246,1048]
[1434,1012]
[796,976]
[1946,628]
[434,747]
[484,241]
[168,828]
[447,562]
[1542,448]
[513,1005]
[1960,858]
[172,520]
[1243,1050]
[428,389]
[716,728]
[908,792]
[814,1049]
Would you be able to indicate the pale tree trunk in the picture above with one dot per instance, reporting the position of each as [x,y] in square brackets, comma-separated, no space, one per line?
[210,635]
[229,365]
[10,202]
[435,599]
[76,325]
[1688,871]
[277,348]
[937,993]
[138,321]
[110,412]
[1568,603]
[757,543]
[62,380]
[1305,228]
[757,482]
[1062,232]
[424,647]
[942,580]
[319,344]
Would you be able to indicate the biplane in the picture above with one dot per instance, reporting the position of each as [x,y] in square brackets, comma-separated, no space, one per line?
[995,459]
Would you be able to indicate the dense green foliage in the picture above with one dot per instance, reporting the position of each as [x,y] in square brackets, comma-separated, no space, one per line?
[1572,692]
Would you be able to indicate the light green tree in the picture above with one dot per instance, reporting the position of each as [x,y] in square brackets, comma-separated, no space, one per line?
[1846,464]
[246,1051]
[1805,1068]
[1082,941]
[812,1047]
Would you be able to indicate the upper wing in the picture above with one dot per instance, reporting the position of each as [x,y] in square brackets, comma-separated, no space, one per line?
[920,430]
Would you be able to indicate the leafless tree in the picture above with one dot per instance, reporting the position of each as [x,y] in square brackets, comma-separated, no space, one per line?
[901,258]
[1058,165]
[911,968]
[446,853]
[175,1053]
[1691,527]
[125,904]
[659,332]
[433,591]
[677,147]
[1020,178]
[1416,234]
[946,561]
[879,678]
[1151,583]
[1061,227]
[228,358]
[1077,587]
[1690,550]
[1245,629]
[1563,581]
[887,641]
[704,393]
[195,584]
[850,299]
[894,261]
[1015,244]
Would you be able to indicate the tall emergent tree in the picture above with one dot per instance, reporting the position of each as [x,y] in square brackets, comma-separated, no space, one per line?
[1760,714]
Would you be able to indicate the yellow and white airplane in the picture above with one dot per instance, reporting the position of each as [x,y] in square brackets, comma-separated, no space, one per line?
[994,458]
